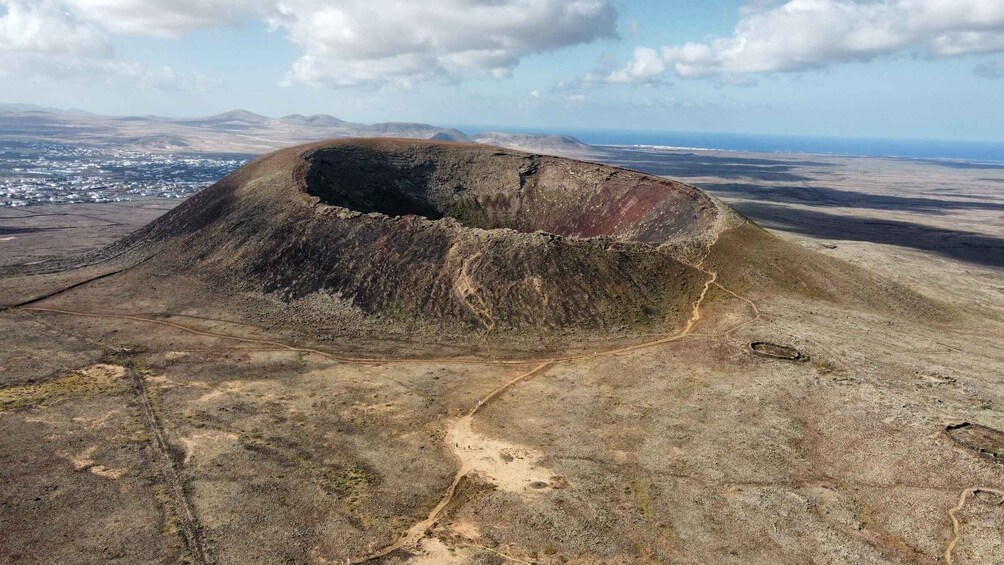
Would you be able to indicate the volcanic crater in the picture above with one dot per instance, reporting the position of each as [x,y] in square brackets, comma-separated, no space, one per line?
[457,238]
[489,188]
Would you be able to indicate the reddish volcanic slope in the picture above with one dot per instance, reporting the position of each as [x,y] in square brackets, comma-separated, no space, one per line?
[445,235]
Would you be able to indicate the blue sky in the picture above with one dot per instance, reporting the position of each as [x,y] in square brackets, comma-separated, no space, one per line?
[899,68]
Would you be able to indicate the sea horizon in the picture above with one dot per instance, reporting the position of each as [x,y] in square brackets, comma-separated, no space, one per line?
[989,152]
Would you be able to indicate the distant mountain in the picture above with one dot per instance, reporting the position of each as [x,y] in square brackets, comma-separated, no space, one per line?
[448,136]
[241,131]
[403,129]
[240,116]
[320,120]
[44,109]
[152,142]
[534,143]
[234,119]
[23,108]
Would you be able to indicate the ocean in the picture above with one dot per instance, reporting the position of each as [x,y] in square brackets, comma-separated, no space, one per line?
[971,151]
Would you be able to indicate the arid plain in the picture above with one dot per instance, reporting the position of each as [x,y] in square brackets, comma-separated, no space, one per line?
[146,419]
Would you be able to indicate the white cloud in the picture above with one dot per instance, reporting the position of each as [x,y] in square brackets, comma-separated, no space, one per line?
[375,42]
[163,18]
[74,69]
[43,27]
[68,40]
[647,65]
[158,78]
[344,42]
[965,42]
[805,34]
[634,102]
[44,40]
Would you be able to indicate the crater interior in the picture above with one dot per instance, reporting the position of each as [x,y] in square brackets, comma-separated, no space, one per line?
[488,189]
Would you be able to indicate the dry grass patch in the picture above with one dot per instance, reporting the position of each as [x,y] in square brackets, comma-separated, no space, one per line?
[96,379]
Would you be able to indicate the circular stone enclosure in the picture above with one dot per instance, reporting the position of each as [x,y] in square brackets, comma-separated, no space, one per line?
[775,351]
[985,441]
[484,187]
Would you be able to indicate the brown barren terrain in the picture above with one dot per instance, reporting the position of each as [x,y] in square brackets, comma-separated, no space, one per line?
[329,356]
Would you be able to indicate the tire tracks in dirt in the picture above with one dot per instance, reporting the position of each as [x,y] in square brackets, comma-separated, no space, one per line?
[30,301]
[87,281]
[191,531]
[278,344]
[418,530]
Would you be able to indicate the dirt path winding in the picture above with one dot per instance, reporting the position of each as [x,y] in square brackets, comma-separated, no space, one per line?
[418,530]
[956,525]
[465,288]
[458,428]
[461,427]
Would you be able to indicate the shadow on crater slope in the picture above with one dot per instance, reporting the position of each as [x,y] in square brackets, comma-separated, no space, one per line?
[451,242]
[462,238]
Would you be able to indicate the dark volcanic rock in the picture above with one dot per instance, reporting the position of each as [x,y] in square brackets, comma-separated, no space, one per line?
[455,236]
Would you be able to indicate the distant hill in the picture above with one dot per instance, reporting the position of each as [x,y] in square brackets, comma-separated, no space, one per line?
[448,136]
[408,130]
[242,131]
[535,143]
[322,120]
[23,108]
[239,116]
[235,119]
[166,142]
[44,109]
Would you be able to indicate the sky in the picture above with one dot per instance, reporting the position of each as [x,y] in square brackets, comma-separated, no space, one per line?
[921,69]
